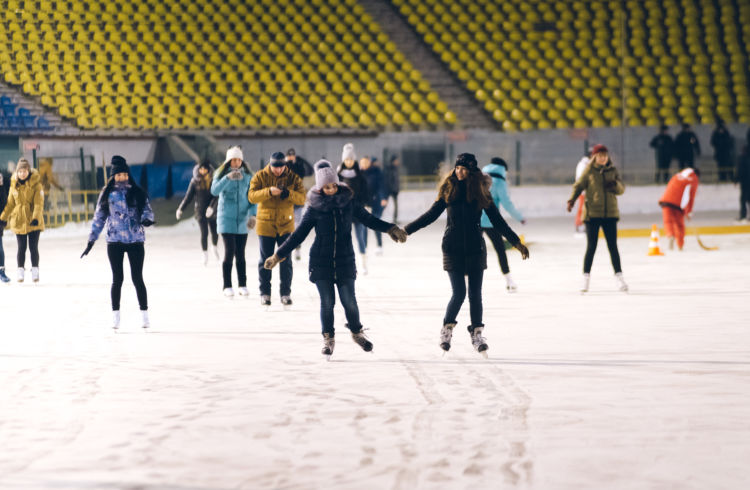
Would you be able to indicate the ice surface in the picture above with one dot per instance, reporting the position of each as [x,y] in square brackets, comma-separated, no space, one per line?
[645,390]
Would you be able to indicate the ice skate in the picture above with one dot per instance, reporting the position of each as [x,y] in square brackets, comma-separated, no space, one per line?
[229,292]
[265,300]
[145,323]
[585,283]
[361,340]
[297,254]
[328,344]
[116,320]
[3,277]
[379,250]
[243,292]
[620,281]
[21,274]
[446,333]
[35,274]
[510,285]
[364,263]
[205,257]
[215,251]
[671,243]
[477,340]
[286,301]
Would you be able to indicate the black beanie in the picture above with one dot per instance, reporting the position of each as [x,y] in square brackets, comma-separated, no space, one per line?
[467,160]
[278,159]
[499,161]
[119,165]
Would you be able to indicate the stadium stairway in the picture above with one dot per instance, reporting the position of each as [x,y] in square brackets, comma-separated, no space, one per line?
[35,109]
[468,110]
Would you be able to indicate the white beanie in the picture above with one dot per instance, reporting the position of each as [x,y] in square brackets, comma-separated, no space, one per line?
[325,174]
[234,152]
[348,152]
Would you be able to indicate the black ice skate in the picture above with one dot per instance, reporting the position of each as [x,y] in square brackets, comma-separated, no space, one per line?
[446,333]
[477,340]
[361,340]
[286,301]
[328,344]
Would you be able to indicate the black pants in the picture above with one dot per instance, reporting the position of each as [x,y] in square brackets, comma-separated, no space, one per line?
[205,225]
[136,254]
[609,226]
[394,195]
[234,248]
[662,170]
[458,284]
[744,200]
[267,248]
[497,241]
[33,243]
[2,251]
[686,163]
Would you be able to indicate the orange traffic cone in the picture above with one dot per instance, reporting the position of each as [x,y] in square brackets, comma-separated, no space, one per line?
[653,244]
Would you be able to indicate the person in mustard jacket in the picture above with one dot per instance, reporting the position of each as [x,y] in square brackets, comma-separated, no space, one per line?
[602,184]
[24,214]
[276,190]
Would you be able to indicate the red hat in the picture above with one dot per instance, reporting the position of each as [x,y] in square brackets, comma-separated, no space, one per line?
[598,149]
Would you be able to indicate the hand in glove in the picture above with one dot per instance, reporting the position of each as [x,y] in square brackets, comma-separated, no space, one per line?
[3,224]
[611,186]
[147,222]
[88,248]
[209,212]
[178,214]
[397,234]
[570,205]
[284,193]
[34,222]
[234,175]
[251,222]
[271,262]
[524,250]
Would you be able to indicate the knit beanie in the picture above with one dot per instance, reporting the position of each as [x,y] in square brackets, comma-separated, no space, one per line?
[499,161]
[119,165]
[348,152]
[234,152]
[277,159]
[23,163]
[325,174]
[467,160]
[598,149]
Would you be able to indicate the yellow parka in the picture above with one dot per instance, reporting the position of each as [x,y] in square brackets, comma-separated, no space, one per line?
[25,204]
[275,214]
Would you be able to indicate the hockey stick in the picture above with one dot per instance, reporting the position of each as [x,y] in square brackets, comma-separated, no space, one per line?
[701,244]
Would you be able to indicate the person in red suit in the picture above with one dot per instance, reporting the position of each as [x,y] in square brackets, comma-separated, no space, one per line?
[677,204]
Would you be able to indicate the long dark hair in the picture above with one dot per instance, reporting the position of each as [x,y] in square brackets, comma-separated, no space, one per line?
[224,169]
[135,197]
[477,188]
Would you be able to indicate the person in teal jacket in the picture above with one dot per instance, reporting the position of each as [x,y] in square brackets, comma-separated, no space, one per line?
[498,170]
[235,215]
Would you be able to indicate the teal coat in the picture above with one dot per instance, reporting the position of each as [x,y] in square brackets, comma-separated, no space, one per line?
[234,208]
[499,191]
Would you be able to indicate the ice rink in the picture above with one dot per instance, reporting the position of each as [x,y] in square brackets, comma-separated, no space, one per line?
[645,390]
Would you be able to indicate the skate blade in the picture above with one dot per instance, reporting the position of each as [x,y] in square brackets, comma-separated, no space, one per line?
[328,357]
[484,354]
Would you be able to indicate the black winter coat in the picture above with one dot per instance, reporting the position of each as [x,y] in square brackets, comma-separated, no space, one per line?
[358,183]
[200,189]
[376,185]
[463,246]
[332,252]
[301,167]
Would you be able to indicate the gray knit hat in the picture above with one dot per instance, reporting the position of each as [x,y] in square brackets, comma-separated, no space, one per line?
[325,174]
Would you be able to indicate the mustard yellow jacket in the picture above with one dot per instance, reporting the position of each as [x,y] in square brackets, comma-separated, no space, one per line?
[275,213]
[25,204]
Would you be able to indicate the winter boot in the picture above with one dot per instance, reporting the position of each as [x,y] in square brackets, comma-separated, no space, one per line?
[116,319]
[144,319]
[585,283]
[21,274]
[3,277]
[328,344]
[360,339]
[35,274]
[476,338]
[265,300]
[229,292]
[286,301]
[243,292]
[510,285]
[621,285]
[446,333]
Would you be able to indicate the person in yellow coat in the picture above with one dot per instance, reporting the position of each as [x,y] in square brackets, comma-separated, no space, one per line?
[23,214]
[276,190]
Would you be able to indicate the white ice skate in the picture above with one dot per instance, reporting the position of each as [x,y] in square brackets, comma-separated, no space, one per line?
[297,254]
[379,250]
[145,323]
[328,344]
[21,274]
[364,263]
[35,274]
[446,334]
[265,301]
[229,292]
[215,251]
[243,292]
[116,320]
[205,257]
[620,281]
[479,343]
[510,285]
[585,283]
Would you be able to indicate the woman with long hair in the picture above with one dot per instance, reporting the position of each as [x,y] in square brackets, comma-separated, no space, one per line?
[205,206]
[465,193]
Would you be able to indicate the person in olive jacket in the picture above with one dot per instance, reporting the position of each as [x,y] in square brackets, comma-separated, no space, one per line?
[330,212]
[602,184]
[23,213]
[276,190]
[465,193]
[205,206]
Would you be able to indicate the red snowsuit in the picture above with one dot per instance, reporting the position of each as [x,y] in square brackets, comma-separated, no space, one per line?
[677,201]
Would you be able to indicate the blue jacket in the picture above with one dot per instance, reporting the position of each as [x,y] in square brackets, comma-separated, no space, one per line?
[124,225]
[376,185]
[234,206]
[500,194]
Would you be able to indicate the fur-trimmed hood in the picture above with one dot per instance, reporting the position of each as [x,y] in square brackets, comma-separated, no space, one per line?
[318,200]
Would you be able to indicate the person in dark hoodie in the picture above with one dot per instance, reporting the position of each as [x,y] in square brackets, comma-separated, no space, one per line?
[378,196]
[205,206]
[465,193]
[125,209]
[330,211]
[350,174]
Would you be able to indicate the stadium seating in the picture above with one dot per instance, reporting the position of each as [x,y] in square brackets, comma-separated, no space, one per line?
[269,64]
[550,63]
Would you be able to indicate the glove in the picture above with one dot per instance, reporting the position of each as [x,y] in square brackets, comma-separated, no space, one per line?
[251,222]
[234,175]
[611,186]
[271,262]
[209,212]
[523,249]
[570,205]
[88,248]
[34,222]
[3,224]
[178,214]
[397,234]
[147,222]
[284,193]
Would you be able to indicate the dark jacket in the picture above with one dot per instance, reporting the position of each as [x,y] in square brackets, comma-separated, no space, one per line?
[722,142]
[376,185]
[356,182]
[200,189]
[392,177]
[463,245]
[664,146]
[332,253]
[743,167]
[686,146]
[301,167]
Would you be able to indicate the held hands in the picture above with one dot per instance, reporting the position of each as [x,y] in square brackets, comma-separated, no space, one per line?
[178,214]
[271,262]
[251,222]
[570,205]
[397,234]
[524,250]
[89,246]
[209,212]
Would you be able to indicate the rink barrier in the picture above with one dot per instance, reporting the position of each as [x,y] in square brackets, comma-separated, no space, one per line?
[703,230]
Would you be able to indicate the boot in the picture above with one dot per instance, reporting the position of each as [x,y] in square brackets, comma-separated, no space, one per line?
[510,285]
[621,285]
[229,292]
[265,300]
[328,344]
[144,319]
[3,277]
[205,257]
[35,274]
[360,339]
[242,291]
[446,333]
[286,300]
[215,251]
[476,338]
[116,319]
[585,283]
[21,274]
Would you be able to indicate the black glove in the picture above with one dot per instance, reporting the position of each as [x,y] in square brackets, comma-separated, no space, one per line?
[284,193]
[88,248]
[611,186]
[147,222]
[34,222]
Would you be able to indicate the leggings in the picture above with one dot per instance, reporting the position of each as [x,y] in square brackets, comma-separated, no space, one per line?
[205,225]
[609,226]
[497,241]
[33,242]
[234,248]
[136,254]
[458,284]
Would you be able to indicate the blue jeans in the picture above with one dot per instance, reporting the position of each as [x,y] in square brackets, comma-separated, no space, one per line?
[267,248]
[459,294]
[377,211]
[360,233]
[328,300]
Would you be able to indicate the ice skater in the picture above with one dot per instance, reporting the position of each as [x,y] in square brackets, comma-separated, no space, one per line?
[378,196]
[234,216]
[205,207]
[465,193]
[350,174]
[331,209]
[498,171]
[602,184]
[24,212]
[677,204]
[125,209]
[3,202]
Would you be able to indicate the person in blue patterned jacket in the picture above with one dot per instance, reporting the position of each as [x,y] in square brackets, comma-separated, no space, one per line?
[125,209]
